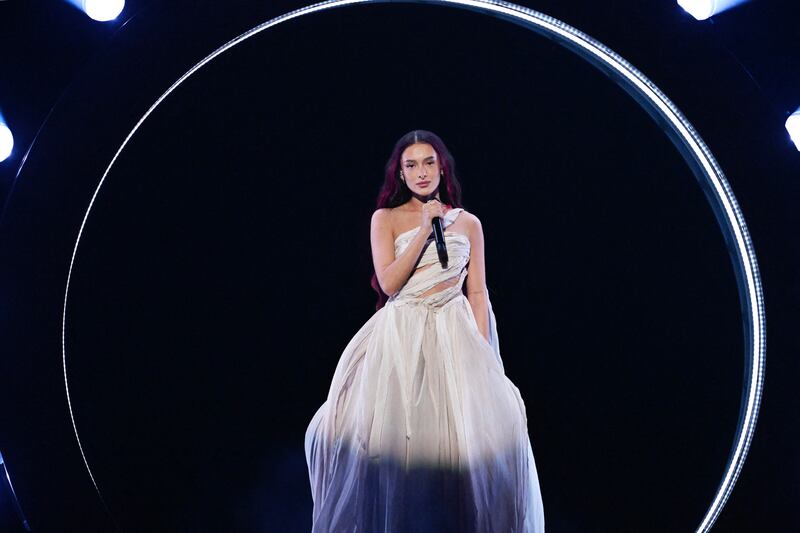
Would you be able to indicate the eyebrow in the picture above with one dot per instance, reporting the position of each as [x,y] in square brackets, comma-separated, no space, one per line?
[429,157]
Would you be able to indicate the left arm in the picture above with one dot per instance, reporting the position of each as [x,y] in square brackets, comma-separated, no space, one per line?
[476,278]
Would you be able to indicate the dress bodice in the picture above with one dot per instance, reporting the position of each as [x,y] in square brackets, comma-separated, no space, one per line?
[429,272]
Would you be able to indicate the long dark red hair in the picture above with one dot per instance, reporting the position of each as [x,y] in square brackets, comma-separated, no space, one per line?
[394,191]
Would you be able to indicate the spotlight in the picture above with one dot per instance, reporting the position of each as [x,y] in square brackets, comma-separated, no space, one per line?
[793,127]
[703,9]
[103,10]
[6,141]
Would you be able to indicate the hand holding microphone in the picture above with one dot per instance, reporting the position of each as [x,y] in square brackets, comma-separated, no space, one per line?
[432,213]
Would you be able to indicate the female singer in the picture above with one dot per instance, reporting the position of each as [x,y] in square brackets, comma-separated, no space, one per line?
[422,431]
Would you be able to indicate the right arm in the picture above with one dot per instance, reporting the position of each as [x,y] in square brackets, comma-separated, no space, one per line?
[393,272]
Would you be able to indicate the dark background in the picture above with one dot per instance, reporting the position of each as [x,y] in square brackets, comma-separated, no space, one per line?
[226,261]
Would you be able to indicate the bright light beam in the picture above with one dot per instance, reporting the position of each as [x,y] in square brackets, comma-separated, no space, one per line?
[13,495]
[6,141]
[100,10]
[793,127]
[703,9]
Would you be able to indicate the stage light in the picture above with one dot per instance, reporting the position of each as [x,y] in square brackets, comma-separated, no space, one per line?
[793,127]
[103,10]
[6,141]
[703,9]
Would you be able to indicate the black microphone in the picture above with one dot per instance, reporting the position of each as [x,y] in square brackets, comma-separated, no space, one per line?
[438,235]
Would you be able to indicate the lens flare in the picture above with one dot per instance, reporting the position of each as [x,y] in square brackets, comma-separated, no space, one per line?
[703,9]
[793,127]
[103,10]
[6,141]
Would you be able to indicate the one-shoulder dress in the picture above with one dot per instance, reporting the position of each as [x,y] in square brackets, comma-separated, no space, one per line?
[421,430]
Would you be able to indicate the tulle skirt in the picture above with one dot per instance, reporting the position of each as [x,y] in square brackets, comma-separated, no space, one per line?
[422,431]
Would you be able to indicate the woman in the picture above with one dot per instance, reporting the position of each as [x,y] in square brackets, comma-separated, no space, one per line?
[421,430]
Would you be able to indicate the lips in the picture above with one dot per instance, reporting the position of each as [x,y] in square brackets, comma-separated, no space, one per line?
[423,184]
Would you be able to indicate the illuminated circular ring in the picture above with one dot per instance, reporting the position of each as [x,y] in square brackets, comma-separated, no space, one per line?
[680,131]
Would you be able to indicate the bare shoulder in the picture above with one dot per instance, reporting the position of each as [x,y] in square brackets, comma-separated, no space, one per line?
[382,221]
[382,215]
[473,223]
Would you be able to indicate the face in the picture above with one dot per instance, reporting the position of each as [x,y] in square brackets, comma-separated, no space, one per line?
[420,165]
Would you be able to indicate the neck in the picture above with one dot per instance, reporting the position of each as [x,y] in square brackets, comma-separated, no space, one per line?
[418,199]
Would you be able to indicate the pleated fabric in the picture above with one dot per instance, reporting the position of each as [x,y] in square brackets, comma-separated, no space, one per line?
[421,430]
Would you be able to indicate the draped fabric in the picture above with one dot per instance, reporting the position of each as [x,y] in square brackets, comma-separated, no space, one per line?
[421,430]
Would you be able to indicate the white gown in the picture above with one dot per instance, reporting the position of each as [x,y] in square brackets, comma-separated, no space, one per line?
[421,430]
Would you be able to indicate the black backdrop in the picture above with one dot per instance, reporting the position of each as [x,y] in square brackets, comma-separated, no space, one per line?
[226,264]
